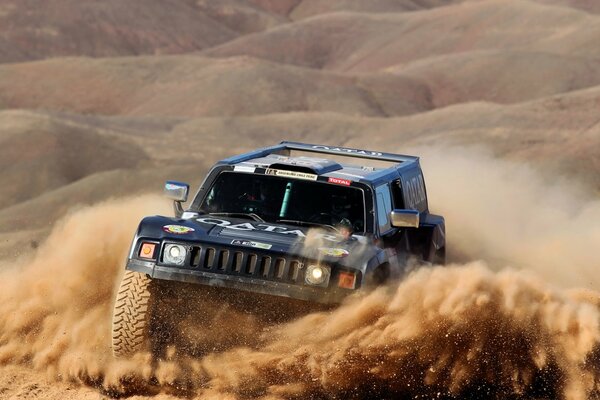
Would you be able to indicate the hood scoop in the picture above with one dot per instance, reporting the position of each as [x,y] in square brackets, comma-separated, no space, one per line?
[307,165]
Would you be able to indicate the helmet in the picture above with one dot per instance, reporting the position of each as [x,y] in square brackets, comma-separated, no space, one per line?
[345,223]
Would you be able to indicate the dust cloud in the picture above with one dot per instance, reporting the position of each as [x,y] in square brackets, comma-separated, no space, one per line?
[55,313]
[515,316]
[508,214]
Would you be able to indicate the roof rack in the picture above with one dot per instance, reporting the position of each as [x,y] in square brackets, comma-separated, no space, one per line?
[348,152]
[321,149]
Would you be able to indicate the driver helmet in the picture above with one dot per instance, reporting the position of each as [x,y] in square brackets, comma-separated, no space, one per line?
[346,224]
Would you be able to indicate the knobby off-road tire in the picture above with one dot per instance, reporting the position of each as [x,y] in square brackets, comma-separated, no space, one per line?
[132,315]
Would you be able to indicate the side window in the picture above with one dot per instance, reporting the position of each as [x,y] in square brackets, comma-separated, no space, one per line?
[384,207]
[397,200]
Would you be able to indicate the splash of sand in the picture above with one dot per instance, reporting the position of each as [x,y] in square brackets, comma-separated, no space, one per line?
[508,214]
[465,330]
[55,312]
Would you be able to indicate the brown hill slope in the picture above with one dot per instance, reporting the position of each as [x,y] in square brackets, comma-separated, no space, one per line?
[34,29]
[198,86]
[367,42]
[39,154]
[279,7]
[586,5]
[240,15]
[300,9]
[310,8]
[500,76]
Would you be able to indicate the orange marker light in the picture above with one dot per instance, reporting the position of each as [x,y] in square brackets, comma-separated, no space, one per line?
[147,250]
[347,280]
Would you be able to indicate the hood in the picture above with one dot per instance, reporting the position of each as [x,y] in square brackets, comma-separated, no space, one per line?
[263,236]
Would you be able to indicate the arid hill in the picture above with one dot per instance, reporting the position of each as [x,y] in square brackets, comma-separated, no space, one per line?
[34,29]
[199,86]
[358,42]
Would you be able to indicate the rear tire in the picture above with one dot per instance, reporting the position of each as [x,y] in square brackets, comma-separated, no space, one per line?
[132,315]
[439,257]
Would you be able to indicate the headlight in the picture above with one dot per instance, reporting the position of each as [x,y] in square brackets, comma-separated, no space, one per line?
[174,254]
[317,275]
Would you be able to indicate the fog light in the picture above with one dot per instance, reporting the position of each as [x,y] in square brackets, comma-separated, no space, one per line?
[174,254]
[147,250]
[317,275]
[347,280]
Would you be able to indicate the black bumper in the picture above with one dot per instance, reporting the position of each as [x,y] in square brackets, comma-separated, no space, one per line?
[306,293]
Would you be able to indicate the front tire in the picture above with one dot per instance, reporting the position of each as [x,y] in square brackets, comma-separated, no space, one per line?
[132,315]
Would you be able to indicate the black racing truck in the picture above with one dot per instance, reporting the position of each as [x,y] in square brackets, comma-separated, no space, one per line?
[286,221]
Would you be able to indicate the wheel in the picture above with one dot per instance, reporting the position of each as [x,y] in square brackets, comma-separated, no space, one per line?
[132,315]
[381,275]
[378,277]
[439,257]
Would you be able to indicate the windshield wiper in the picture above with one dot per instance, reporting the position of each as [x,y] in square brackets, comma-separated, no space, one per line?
[306,223]
[252,216]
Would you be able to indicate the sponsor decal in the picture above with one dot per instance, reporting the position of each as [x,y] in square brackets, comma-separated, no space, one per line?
[247,226]
[291,174]
[250,243]
[414,189]
[305,161]
[350,151]
[177,229]
[339,181]
[244,168]
[333,252]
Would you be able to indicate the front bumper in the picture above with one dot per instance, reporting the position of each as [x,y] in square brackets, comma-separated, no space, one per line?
[248,284]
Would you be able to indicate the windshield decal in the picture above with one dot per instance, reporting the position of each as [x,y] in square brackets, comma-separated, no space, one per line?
[247,226]
[244,168]
[291,174]
[339,181]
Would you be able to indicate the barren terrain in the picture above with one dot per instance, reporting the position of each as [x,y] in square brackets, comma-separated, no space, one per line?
[100,102]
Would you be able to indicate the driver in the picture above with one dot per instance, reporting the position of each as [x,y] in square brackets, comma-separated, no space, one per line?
[262,198]
[345,227]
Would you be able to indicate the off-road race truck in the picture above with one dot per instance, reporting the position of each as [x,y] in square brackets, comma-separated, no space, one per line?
[282,225]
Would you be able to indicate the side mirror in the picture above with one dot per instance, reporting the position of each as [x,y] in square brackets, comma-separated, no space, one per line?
[178,192]
[404,218]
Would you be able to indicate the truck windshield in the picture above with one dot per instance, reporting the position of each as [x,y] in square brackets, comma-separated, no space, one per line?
[275,198]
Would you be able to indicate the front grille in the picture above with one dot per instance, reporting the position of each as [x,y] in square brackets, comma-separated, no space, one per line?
[246,263]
